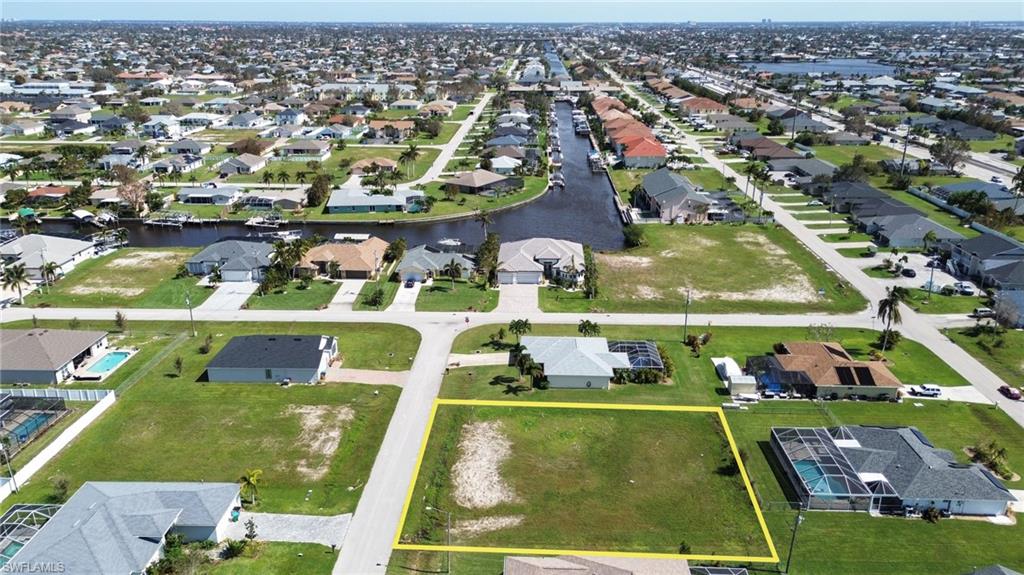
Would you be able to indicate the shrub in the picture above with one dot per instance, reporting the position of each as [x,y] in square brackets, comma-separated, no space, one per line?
[206,345]
[931,515]
[887,343]
[234,548]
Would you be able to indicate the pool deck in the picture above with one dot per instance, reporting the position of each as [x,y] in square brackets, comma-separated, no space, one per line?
[83,372]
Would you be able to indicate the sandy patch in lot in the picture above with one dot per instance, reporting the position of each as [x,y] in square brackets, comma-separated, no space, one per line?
[647,292]
[626,262]
[141,259]
[321,433]
[121,291]
[760,243]
[473,527]
[797,289]
[477,473]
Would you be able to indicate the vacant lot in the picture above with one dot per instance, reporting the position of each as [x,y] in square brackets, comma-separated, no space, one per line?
[840,155]
[130,277]
[277,557]
[1003,352]
[295,296]
[463,295]
[168,427]
[591,479]
[725,268]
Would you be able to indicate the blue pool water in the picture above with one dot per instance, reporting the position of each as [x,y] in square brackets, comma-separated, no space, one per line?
[8,553]
[26,428]
[813,475]
[109,362]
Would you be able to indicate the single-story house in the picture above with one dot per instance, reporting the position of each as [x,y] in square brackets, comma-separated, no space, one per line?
[883,470]
[481,181]
[575,362]
[424,262]
[358,200]
[273,358]
[190,146]
[307,150]
[405,105]
[363,260]
[237,260]
[219,196]
[24,128]
[390,130]
[35,250]
[243,164]
[121,527]
[906,230]
[276,198]
[181,164]
[533,260]
[46,356]
[822,369]
[672,197]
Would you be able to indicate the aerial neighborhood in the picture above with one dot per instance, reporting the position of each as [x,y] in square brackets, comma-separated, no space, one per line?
[668,298]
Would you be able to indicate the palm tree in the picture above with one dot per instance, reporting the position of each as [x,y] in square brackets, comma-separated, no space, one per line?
[534,371]
[50,271]
[14,277]
[485,219]
[749,170]
[12,169]
[588,328]
[452,269]
[283,177]
[1018,187]
[142,152]
[250,483]
[519,327]
[301,177]
[267,178]
[929,239]
[889,310]
[409,157]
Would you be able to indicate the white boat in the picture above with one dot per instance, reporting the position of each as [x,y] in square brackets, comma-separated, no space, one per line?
[450,242]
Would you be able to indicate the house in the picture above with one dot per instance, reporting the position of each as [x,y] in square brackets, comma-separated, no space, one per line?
[190,146]
[762,148]
[575,362]
[73,128]
[641,152]
[219,196]
[533,260]
[237,260]
[987,258]
[305,150]
[70,114]
[405,105]
[243,164]
[162,127]
[390,131]
[36,250]
[247,120]
[290,116]
[202,120]
[273,359]
[698,105]
[914,167]
[368,165]
[672,197]
[847,139]
[505,166]
[121,527]
[273,199]
[179,164]
[346,260]
[906,230]
[481,182]
[23,128]
[804,170]
[424,262]
[822,369]
[883,470]
[359,200]
[46,356]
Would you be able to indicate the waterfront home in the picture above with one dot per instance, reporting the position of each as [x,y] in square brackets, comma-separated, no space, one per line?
[237,260]
[346,200]
[362,260]
[534,260]
[424,262]
[219,196]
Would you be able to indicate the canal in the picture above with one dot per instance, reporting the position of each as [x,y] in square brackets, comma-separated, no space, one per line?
[583,211]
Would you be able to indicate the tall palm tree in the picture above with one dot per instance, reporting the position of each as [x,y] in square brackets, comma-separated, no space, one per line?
[929,239]
[588,328]
[519,328]
[50,271]
[267,178]
[1018,187]
[889,310]
[483,217]
[301,177]
[749,170]
[15,277]
[250,484]
[283,178]
[409,157]
[11,170]
[452,269]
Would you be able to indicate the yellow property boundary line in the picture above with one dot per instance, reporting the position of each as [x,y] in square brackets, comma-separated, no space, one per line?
[773,558]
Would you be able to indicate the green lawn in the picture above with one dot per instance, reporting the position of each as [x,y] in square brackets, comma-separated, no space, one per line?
[76,409]
[126,278]
[333,165]
[663,489]
[275,557]
[944,304]
[1003,143]
[294,296]
[847,237]
[390,289]
[710,179]
[171,428]
[446,134]
[933,212]
[839,155]
[1003,353]
[463,296]
[854,252]
[779,275]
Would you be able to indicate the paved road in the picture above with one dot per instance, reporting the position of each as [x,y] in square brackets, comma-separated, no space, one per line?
[448,150]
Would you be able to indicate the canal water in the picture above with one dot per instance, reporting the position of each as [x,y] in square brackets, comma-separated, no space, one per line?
[583,211]
[844,67]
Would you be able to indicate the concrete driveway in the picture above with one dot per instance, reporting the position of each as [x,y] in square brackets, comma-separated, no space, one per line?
[325,530]
[519,298]
[405,299]
[347,294]
[229,296]
[337,373]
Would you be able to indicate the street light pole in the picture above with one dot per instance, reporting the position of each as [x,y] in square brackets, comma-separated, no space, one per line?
[686,315]
[191,319]
[447,536]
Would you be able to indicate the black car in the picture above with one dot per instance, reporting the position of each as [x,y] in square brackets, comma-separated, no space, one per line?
[908,273]
[409,283]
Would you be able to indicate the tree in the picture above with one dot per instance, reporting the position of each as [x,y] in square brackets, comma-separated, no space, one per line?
[590,273]
[121,321]
[856,123]
[376,297]
[395,251]
[483,217]
[889,310]
[452,269]
[49,272]
[950,151]
[1018,188]
[250,484]
[15,277]
[129,188]
[283,177]
[929,239]
[634,236]
[179,364]
[855,171]
[267,178]
[775,127]
[408,157]
[519,328]
[588,328]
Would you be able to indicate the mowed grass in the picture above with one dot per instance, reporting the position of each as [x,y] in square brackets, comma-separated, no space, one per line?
[126,278]
[332,166]
[178,428]
[624,180]
[695,381]
[294,296]
[728,268]
[591,479]
[463,295]
[277,557]
[840,155]
[1003,353]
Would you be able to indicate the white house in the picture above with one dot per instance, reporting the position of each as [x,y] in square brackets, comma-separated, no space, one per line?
[575,362]
[219,196]
[46,356]
[36,250]
[533,260]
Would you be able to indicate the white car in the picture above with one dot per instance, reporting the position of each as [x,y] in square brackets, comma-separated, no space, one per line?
[926,390]
[964,288]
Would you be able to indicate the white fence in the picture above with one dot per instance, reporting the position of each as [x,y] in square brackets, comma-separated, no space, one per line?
[23,475]
[66,394]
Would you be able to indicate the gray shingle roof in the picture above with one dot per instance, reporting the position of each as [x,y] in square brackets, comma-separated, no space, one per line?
[272,351]
[43,349]
[428,259]
[236,255]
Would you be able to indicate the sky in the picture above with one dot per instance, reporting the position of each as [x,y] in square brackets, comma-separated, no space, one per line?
[519,11]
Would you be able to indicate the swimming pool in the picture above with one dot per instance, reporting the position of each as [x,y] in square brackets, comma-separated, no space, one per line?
[9,552]
[109,362]
[28,427]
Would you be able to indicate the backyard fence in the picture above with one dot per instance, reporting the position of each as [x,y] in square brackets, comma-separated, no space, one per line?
[65,394]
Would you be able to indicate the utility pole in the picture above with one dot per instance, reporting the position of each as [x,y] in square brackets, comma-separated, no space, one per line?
[906,143]
[792,541]
[10,471]
[447,536]
[191,319]
[686,315]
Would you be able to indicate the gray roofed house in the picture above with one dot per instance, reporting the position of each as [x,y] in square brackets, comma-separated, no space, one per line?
[189,146]
[35,250]
[120,527]
[575,362]
[237,260]
[273,358]
[423,262]
[994,570]
[45,355]
[530,261]
[220,196]
[359,200]
[906,230]
[672,197]
[243,164]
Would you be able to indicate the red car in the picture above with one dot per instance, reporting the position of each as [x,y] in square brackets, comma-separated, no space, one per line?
[1010,392]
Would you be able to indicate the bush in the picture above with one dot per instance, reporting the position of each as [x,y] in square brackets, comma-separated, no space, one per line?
[206,345]
[887,343]
[931,515]
[634,236]
[234,548]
